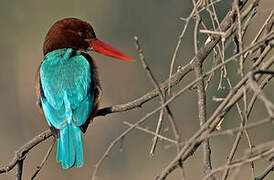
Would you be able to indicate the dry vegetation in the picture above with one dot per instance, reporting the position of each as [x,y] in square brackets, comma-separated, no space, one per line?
[254,60]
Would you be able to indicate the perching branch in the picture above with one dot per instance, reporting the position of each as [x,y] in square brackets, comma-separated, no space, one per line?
[21,153]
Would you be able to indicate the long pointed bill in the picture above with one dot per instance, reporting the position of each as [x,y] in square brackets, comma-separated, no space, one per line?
[105,49]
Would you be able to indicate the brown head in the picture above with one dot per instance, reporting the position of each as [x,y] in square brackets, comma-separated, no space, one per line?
[77,34]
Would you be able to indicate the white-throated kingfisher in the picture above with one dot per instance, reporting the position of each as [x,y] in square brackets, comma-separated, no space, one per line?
[68,88]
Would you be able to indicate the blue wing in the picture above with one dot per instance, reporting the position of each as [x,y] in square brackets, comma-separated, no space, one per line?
[63,75]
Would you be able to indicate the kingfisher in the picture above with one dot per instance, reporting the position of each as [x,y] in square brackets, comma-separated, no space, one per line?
[68,88]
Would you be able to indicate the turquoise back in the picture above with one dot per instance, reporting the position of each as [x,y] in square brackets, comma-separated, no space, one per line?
[65,79]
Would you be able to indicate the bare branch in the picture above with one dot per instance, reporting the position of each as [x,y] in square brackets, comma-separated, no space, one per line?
[151,132]
[21,152]
[44,160]
[242,161]
[162,98]
[19,169]
[266,172]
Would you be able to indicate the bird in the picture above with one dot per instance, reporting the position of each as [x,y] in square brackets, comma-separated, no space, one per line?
[67,84]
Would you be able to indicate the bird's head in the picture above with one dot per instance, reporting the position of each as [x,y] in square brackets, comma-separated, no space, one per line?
[77,34]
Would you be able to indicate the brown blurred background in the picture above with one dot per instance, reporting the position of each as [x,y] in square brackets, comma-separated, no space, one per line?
[24,24]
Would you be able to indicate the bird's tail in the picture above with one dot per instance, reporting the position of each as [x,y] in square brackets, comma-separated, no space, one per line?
[69,148]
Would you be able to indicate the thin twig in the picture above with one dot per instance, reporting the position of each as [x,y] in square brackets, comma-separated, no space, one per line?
[44,160]
[151,132]
[222,34]
[22,151]
[243,117]
[260,32]
[201,101]
[241,128]
[266,172]
[242,161]
[233,131]
[157,132]
[187,20]
[162,98]
[254,86]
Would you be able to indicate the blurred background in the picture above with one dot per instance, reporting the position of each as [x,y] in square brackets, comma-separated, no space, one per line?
[24,24]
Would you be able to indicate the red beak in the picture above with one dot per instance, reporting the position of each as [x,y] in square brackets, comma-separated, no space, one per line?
[105,49]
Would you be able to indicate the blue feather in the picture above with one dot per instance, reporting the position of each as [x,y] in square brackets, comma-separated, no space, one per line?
[68,103]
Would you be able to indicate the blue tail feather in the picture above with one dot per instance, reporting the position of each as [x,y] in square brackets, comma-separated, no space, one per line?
[69,148]
[58,154]
[77,139]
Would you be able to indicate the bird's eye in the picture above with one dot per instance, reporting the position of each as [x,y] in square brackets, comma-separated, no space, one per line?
[83,34]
